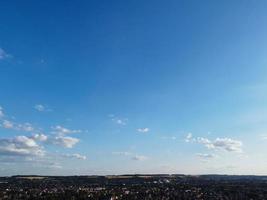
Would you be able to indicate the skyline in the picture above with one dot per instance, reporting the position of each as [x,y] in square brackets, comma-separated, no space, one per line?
[101,87]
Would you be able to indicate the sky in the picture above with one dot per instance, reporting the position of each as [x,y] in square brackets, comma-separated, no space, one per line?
[138,86]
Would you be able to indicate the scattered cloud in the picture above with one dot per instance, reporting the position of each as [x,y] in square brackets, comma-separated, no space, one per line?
[143,130]
[32,149]
[226,144]
[29,148]
[20,146]
[7,124]
[61,139]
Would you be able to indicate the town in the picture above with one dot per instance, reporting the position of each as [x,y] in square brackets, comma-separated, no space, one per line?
[156,187]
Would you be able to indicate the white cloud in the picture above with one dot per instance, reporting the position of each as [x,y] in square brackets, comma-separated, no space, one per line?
[25,141]
[205,141]
[227,144]
[20,146]
[8,124]
[18,127]
[13,125]
[32,148]
[121,121]
[188,137]
[3,54]
[143,130]
[139,157]
[75,155]
[41,108]
[40,137]
[25,127]
[24,148]
[64,141]
[1,112]
[61,139]
[62,131]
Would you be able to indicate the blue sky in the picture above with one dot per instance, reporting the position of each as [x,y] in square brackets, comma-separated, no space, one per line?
[114,87]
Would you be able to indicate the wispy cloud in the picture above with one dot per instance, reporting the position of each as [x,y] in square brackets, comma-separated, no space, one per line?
[118,120]
[205,155]
[121,121]
[168,137]
[42,108]
[143,130]
[7,124]
[26,127]
[62,130]
[130,155]
[111,115]
[139,158]
[122,153]
[55,166]
[64,141]
[263,136]
[75,155]
[4,55]
[1,112]
[39,107]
